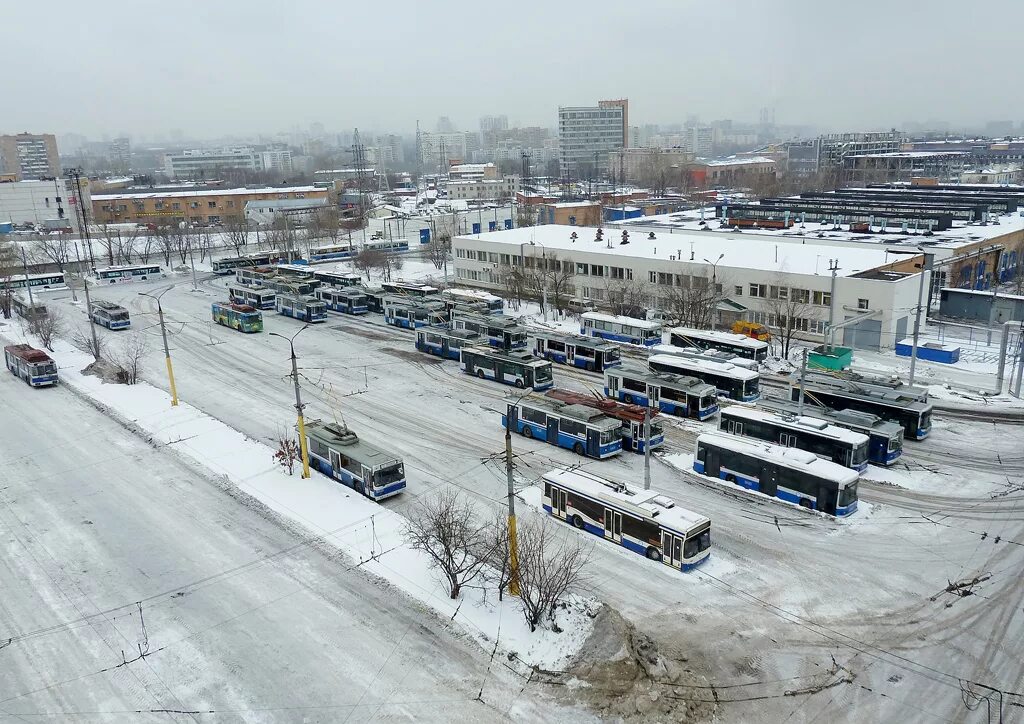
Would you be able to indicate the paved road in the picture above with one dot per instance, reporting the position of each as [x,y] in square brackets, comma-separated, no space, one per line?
[239,614]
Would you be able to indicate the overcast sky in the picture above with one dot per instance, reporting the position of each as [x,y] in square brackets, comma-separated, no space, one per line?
[211,68]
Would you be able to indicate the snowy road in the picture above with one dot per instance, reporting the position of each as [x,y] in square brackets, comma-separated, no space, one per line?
[784,593]
[243,619]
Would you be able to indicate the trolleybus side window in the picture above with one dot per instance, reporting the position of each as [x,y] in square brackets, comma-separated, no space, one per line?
[529,414]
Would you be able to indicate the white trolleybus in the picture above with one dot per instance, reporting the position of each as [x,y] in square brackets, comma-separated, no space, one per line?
[338,453]
[620,329]
[338,279]
[251,295]
[521,369]
[677,395]
[306,309]
[347,300]
[28,310]
[630,417]
[736,383]
[643,521]
[830,442]
[110,315]
[38,282]
[499,331]
[254,276]
[796,476]
[885,439]
[412,313]
[32,365]
[593,355]
[738,345]
[227,264]
[579,428]
[709,355]
[907,406]
[120,274]
[493,304]
[446,342]
[331,252]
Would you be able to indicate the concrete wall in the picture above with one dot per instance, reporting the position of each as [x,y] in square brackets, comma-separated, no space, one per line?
[36,202]
[962,304]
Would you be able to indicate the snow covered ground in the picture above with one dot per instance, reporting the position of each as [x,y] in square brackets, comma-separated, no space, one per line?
[794,616]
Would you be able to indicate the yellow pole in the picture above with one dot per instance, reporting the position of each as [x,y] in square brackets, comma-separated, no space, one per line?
[302,447]
[170,376]
[513,556]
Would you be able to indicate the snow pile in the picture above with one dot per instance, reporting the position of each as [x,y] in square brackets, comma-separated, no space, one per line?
[369,534]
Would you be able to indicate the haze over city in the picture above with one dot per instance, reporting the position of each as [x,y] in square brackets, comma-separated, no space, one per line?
[232,69]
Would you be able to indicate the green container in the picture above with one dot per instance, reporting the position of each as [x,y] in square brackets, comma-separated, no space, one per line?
[838,358]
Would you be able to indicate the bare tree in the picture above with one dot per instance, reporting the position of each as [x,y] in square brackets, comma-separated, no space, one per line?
[47,327]
[550,568]
[628,297]
[496,550]
[446,528]
[438,250]
[556,277]
[789,311]
[692,301]
[391,264]
[164,238]
[515,284]
[126,244]
[107,238]
[128,360]
[287,453]
[53,248]
[145,246]
[236,233]
[367,261]
[81,338]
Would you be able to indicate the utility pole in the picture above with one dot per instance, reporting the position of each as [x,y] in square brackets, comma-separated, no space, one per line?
[513,541]
[163,334]
[1015,390]
[88,306]
[298,401]
[833,266]
[28,285]
[192,260]
[647,447]
[926,266]
[995,295]
[803,376]
[81,211]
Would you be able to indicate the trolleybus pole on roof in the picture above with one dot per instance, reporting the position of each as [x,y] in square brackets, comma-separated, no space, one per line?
[163,334]
[303,449]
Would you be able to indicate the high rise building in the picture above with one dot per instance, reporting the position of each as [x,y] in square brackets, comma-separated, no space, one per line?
[29,156]
[121,153]
[445,125]
[489,124]
[589,135]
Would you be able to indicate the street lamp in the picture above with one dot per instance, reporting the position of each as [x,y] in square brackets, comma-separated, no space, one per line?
[543,278]
[298,400]
[163,333]
[714,267]
[513,540]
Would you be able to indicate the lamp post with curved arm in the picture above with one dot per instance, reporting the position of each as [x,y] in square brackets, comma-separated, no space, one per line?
[163,333]
[303,448]
[513,540]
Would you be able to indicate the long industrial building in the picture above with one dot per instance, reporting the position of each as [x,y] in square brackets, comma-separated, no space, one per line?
[875,293]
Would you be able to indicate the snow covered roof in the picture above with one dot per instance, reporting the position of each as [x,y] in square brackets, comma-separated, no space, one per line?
[812,424]
[209,192]
[789,457]
[797,256]
[739,161]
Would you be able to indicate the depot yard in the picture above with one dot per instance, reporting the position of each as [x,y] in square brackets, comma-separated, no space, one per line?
[795,613]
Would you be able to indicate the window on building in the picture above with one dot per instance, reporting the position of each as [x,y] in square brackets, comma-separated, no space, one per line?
[616,272]
[481,256]
[596,270]
[801,296]
[506,260]
[211,204]
[822,299]
[664,280]
[652,277]
[738,290]
[581,269]
[758,290]
[862,304]
[213,219]
[231,204]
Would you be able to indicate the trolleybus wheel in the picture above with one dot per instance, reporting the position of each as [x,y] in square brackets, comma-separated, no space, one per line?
[577,522]
[480,374]
[578,448]
[590,366]
[805,503]
[628,399]
[519,384]
[653,553]
[730,478]
[527,431]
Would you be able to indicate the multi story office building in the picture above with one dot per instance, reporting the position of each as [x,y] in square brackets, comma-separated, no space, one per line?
[483,188]
[208,163]
[205,206]
[29,156]
[437,149]
[49,205]
[589,135]
[829,151]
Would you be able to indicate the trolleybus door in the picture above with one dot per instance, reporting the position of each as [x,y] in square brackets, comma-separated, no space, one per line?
[671,549]
[558,502]
[570,354]
[654,396]
[552,431]
[512,418]
[335,458]
[613,525]
[769,479]
[593,443]
[712,462]
[636,432]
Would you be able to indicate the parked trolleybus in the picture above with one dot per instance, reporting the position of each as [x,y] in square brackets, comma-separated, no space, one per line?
[331,252]
[228,264]
[349,300]
[237,316]
[796,476]
[500,332]
[630,417]
[737,383]
[410,289]
[413,313]
[110,315]
[848,448]
[620,329]
[291,285]
[901,406]
[587,353]
[295,270]
[30,364]
[253,296]
[710,355]
[736,344]
[885,439]
[643,521]
[27,310]
[118,274]
[338,279]
[306,309]
[338,453]
[386,245]
[445,342]
[582,429]
[521,369]
[494,305]
[254,276]
[672,394]
[38,282]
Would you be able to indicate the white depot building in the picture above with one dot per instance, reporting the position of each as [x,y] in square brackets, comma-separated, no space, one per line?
[876,299]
